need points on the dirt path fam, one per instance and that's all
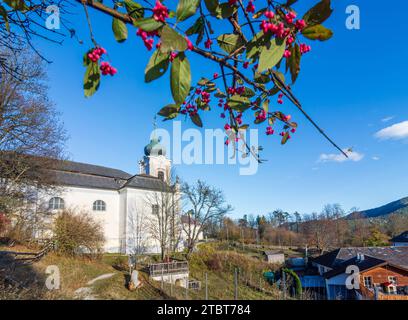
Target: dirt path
(85, 293)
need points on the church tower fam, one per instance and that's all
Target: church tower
(155, 163)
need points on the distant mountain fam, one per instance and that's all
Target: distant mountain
(399, 206)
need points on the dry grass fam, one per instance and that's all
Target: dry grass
(76, 272)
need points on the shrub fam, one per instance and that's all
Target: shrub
(77, 233)
(4, 223)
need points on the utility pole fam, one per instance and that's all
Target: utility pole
(236, 284)
(284, 285)
(206, 286)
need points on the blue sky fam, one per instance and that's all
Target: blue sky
(353, 85)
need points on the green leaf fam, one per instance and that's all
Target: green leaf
(16, 4)
(147, 24)
(294, 62)
(203, 81)
(248, 92)
(86, 60)
(3, 13)
(220, 94)
(134, 9)
(180, 78)
(285, 138)
(317, 32)
(196, 120)
(91, 79)
(271, 54)
(170, 111)
(253, 47)
(119, 30)
(225, 10)
(171, 40)
(212, 6)
(230, 42)
(196, 27)
(157, 66)
(239, 103)
(318, 14)
(186, 8)
(261, 78)
(290, 2)
(279, 75)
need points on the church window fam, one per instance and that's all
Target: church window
(56, 203)
(99, 205)
(160, 175)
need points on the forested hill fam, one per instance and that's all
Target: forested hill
(399, 206)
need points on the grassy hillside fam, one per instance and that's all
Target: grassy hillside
(211, 261)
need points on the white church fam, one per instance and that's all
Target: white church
(116, 198)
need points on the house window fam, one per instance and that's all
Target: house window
(160, 175)
(368, 282)
(393, 280)
(99, 205)
(56, 203)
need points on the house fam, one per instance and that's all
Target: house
(400, 240)
(381, 270)
(274, 257)
(120, 201)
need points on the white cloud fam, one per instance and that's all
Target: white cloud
(375, 158)
(396, 131)
(339, 157)
(386, 119)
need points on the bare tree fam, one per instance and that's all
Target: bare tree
(164, 221)
(138, 225)
(31, 134)
(206, 204)
(318, 230)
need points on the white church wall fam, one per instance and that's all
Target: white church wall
(82, 199)
(139, 202)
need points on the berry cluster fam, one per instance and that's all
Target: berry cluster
(269, 131)
(190, 109)
(190, 45)
(96, 54)
(160, 12)
(284, 29)
(208, 44)
(261, 115)
(106, 69)
(172, 56)
(304, 48)
(147, 37)
(250, 7)
(237, 90)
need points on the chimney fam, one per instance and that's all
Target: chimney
(360, 257)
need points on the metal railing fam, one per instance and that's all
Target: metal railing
(165, 268)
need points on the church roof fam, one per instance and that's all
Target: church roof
(155, 148)
(78, 167)
(76, 174)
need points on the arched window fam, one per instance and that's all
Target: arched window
(56, 203)
(160, 175)
(99, 205)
